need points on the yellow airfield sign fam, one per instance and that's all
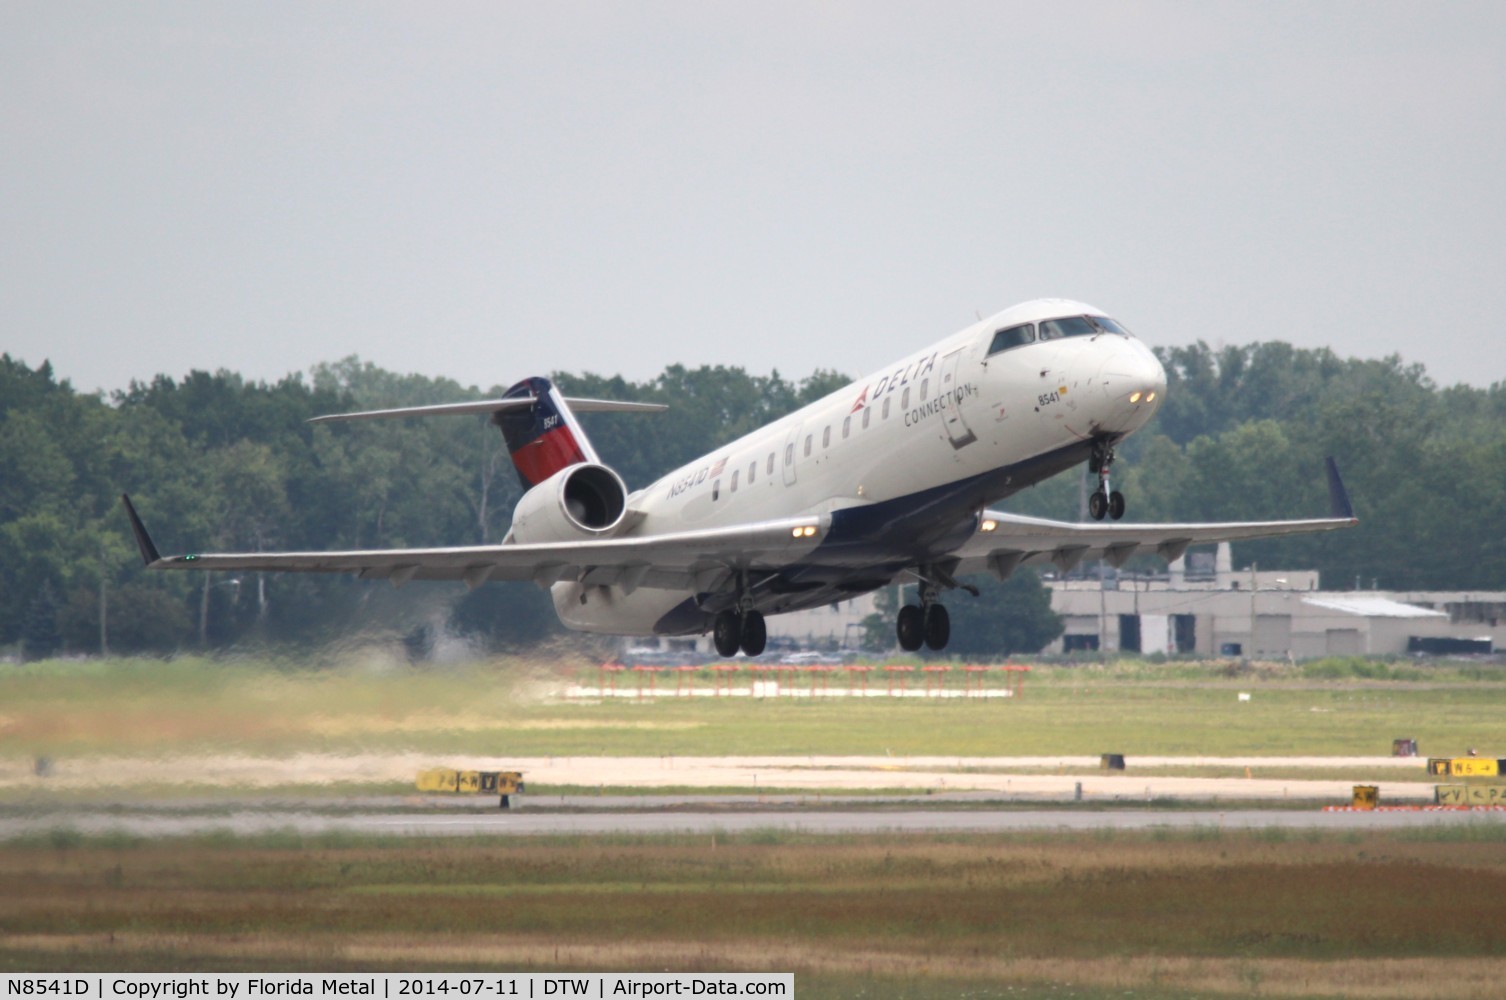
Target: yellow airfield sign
(1472, 795)
(1464, 767)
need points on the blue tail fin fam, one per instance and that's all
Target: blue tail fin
(544, 437)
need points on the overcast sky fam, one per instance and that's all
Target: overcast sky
(492, 190)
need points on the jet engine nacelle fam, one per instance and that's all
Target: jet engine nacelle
(578, 502)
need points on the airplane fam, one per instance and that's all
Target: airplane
(888, 479)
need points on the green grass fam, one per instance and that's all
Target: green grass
(512, 708)
(1170, 914)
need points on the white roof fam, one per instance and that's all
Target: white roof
(1369, 606)
(1038, 309)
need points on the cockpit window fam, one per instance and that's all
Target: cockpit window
(1053, 329)
(1014, 336)
(1109, 325)
(1068, 326)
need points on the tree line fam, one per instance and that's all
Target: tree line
(217, 462)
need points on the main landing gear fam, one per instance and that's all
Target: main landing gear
(1104, 501)
(927, 624)
(735, 630)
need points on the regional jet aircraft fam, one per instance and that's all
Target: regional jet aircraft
(889, 479)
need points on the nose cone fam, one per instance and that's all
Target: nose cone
(1133, 384)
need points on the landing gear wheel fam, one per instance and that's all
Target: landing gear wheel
(755, 633)
(1098, 505)
(727, 633)
(1104, 500)
(938, 626)
(911, 626)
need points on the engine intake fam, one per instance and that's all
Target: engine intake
(579, 501)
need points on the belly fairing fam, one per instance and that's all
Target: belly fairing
(611, 611)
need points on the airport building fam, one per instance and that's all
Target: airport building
(1202, 605)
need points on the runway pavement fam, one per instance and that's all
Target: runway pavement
(1014, 777)
(818, 795)
(705, 817)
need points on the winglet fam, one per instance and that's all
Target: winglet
(149, 552)
(1339, 506)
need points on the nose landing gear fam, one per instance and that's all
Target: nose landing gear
(1110, 504)
(1104, 501)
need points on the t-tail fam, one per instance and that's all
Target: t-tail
(537, 423)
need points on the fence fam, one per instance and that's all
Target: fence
(750, 679)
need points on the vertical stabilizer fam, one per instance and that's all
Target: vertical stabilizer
(544, 437)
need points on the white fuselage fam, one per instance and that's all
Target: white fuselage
(951, 413)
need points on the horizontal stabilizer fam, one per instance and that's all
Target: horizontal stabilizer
(493, 406)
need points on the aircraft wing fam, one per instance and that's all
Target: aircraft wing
(1015, 539)
(702, 560)
(683, 560)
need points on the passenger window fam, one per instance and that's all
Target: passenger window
(771, 462)
(808, 445)
(1012, 336)
(886, 409)
(826, 437)
(716, 489)
(846, 427)
(752, 471)
(925, 388)
(867, 412)
(734, 480)
(904, 400)
(789, 453)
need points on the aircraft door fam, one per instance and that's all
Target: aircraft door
(790, 456)
(957, 430)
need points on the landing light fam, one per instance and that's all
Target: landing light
(1135, 396)
(806, 531)
(1150, 398)
(988, 525)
